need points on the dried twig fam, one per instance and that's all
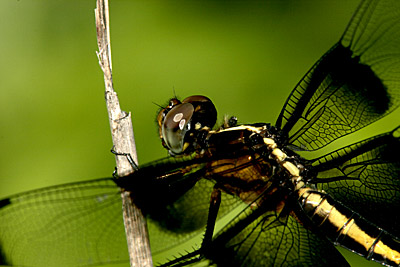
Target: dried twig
(123, 140)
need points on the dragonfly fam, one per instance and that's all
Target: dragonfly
(289, 208)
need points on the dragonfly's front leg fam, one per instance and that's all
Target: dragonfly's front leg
(212, 218)
(206, 245)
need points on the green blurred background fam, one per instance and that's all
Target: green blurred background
(245, 55)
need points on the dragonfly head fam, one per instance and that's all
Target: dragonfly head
(181, 122)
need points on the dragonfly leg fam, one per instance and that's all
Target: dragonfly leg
(198, 254)
(128, 157)
(212, 218)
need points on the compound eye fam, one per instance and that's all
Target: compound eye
(163, 112)
(176, 124)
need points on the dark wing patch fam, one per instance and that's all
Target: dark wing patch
(190, 213)
(354, 84)
(176, 200)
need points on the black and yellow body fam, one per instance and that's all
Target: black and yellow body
(254, 193)
(347, 228)
(245, 164)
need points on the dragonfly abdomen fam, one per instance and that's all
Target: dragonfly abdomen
(348, 229)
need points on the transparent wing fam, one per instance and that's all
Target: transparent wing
(366, 177)
(77, 224)
(354, 84)
(80, 224)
